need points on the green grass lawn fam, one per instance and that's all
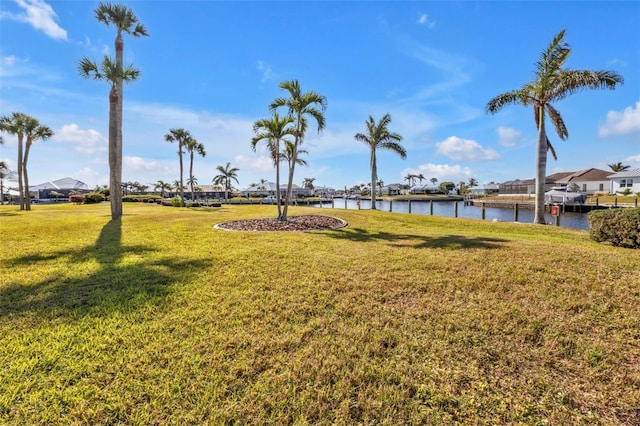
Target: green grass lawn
(395, 319)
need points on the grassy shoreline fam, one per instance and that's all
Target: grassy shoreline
(395, 319)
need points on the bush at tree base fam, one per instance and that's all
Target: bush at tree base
(94, 197)
(620, 227)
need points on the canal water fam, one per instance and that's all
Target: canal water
(447, 208)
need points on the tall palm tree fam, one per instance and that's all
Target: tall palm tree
(125, 21)
(183, 137)
(34, 131)
(15, 124)
(618, 167)
(115, 74)
(378, 137)
(274, 131)
(227, 174)
(193, 147)
(552, 83)
(472, 182)
(300, 106)
(420, 177)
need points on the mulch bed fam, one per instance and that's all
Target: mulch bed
(294, 223)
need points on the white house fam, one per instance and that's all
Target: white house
(626, 180)
(62, 187)
(587, 181)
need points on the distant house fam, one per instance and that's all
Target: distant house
(490, 188)
(587, 181)
(205, 192)
(626, 180)
(60, 188)
(391, 189)
(269, 189)
(424, 189)
(324, 191)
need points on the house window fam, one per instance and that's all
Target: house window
(584, 187)
(626, 183)
(601, 187)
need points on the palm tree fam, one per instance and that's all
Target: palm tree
(34, 131)
(274, 131)
(409, 178)
(115, 74)
(380, 184)
(182, 137)
(433, 180)
(472, 182)
(618, 167)
(163, 186)
(377, 137)
(16, 125)
(552, 83)
(5, 173)
(420, 177)
(227, 174)
(177, 185)
(300, 105)
(308, 183)
(193, 147)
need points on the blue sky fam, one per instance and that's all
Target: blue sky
(213, 67)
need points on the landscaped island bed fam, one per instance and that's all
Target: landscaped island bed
(395, 319)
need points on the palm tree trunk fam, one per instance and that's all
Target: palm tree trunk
(191, 174)
(278, 181)
(541, 170)
(374, 179)
(116, 197)
(115, 185)
(181, 171)
(27, 195)
(20, 177)
(287, 199)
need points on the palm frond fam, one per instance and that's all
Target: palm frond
(557, 121)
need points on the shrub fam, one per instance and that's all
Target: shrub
(76, 198)
(177, 202)
(620, 227)
(94, 197)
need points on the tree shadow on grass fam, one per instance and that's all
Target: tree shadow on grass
(123, 280)
(417, 241)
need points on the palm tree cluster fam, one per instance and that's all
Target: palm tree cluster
(226, 175)
(24, 126)
(279, 131)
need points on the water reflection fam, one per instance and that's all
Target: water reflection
(448, 208)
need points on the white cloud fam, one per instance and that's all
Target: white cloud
(267, 71)
(442, 172)
(261, 164)
(84, 141)
(424, 20)
(621, 123)
(136, 164)
(459, 149)
(41, 17)
(634, 159)
(507, 136)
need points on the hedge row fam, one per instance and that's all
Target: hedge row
(620, 227)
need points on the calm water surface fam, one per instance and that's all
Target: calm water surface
(447, 208)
